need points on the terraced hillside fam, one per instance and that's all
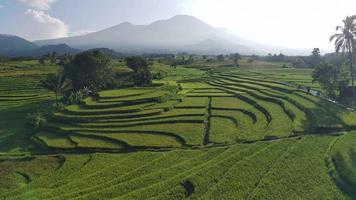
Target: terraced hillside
(227, 108)
(20, 94)
(230, 134)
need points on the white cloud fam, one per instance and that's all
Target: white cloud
(38, 4)
(39, 25)
(1, 6)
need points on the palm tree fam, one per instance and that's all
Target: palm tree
(56, 83)
(345, 42)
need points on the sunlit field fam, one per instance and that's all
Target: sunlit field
(204, 131)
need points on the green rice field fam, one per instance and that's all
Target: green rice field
(221, 133)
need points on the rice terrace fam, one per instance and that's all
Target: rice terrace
(100, 123)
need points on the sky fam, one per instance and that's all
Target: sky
(288, 23)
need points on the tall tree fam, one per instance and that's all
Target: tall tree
(89, 69)
(220, 58)
(345, 42)
(53, 57)
(331, 78)
(236, 57)
(56, 83)
(315, 57)
(142, 74)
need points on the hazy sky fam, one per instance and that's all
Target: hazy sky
(290, 23)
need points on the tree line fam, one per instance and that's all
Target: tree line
(89, 72)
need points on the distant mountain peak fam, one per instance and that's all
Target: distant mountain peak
(180, 33)
(124, 24)
(184, 17)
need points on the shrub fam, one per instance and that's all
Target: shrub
(76, 97)
(298, 63)
(37, 119)
(57, 107)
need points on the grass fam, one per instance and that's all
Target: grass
(230, 133)
(53, 140)
(223, 129)
(342, 159)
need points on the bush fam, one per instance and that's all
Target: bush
(37, 119)
(57, 107)
(76, 97)
(284, 66)
(298, 63)
(158, 76)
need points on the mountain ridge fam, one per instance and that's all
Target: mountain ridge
(176, 34)
(14, 46)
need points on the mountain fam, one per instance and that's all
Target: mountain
(60, 50)
(109, 53)
(14, 46)
(177, 34)
(10, 45)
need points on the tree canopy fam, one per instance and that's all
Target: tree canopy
(142, 74)
(56, 83)
(89, 69)
(332, 79)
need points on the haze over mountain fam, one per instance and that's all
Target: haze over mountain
(181, 33)
(14, 46)
(10, 44)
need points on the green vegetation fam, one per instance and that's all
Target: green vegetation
(205, 130)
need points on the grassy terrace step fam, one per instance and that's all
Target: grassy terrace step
(192, 133)
(193, 102)
(172, 120)
(53, 138)
(83, 110)
(236, 160)
(167, 105)
(196, 85)
(207, 90)
(251, 127)
(83, 118)
(100, 169)
(92, 103)
(258, 95)
(304, 176)
(224, 129)
(151, 188)
(343, 161)
(246, 129)
(246, 100)
(261, 92)
(119, 139)
(96, 143)
(261, 162)
(139, 178)
(23, 98)
(296, 108)
(151, 96)
(124, 93)
(179, 113)
(56, 141)
(275, 85)
(280, 125)
(215, 168)
(193, 94)
(18, 96)
(148, 140)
